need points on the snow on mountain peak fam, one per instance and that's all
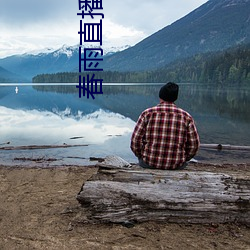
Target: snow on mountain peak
(65, 49)
(69, 50)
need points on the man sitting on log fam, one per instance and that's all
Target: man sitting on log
(165, 136)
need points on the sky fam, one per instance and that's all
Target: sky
(33, 25)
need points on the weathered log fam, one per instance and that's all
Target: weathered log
(224, 147)
(120, 195)
(29, 147)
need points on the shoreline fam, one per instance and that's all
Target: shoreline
(51, 157)
(194, 166)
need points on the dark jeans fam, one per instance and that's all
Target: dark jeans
(145, 165)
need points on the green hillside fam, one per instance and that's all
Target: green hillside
(216, 25)
(231, 66)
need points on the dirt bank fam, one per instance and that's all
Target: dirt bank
(38, 210)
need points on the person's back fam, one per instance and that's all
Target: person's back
(165, 136)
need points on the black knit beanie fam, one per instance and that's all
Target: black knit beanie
(169, 92)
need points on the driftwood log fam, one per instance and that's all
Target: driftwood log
(224, 147)
(120, 195)
(30, 147)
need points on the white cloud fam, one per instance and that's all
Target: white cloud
(34, 24)
(121, 35)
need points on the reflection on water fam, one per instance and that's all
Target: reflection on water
(101, 131)
(33, 127)
(54, 114)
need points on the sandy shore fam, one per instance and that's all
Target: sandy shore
(38, 210)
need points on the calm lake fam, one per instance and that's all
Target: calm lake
(55, 115)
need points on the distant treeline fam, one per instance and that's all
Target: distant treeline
(231, 66)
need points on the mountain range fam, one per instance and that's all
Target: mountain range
(214, 26)
(64, 59)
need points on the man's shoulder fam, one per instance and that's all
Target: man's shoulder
(172, 108)
(150, 110)
(178, 109)
(184, 113)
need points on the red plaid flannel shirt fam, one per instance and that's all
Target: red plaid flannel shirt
(165, 136)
